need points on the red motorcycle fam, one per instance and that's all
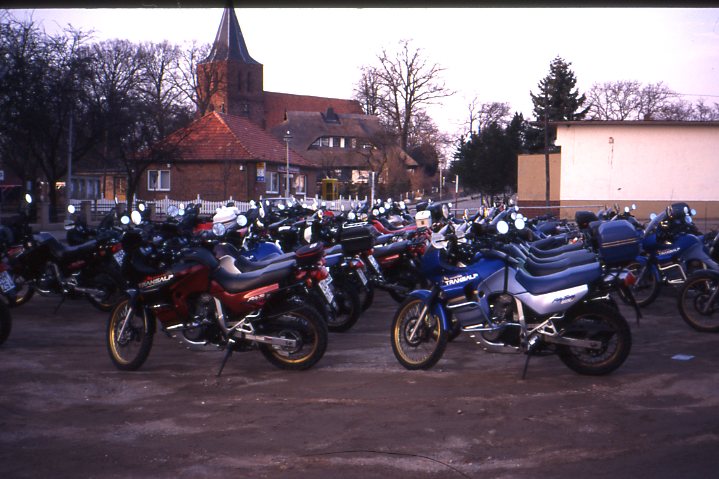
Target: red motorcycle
(209, 303)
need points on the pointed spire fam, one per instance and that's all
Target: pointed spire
(229, 42)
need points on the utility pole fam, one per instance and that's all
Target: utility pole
(287, 138)
(546, 148)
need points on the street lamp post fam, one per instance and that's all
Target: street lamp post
(287, 139)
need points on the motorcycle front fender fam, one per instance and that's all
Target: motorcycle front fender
(436, 308)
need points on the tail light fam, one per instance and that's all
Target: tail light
(116, 247)
(356, 263)
(319, 274)
(628, 278)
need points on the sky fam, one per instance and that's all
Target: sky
(491, 54)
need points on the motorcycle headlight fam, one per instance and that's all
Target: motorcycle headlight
(218, 229)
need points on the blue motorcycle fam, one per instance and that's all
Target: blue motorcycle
(488, 294)
(673, 249)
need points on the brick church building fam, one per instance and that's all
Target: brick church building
(239, 145)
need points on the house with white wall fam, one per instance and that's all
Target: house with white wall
(648, 163)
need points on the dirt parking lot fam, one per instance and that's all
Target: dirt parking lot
(65, 411)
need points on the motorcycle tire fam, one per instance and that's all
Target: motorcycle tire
(597, 322)
(646, 289)
(302, 324)
(427, 346)
(24, 292)
(112, 284)
(5, 322)
(694, 303)
(129, 348)
(348, 305)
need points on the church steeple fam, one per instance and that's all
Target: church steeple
(229, 42)
(229, 78)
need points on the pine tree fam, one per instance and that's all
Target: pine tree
(558, 98)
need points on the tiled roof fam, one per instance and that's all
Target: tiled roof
(278, 104)
(218, 136)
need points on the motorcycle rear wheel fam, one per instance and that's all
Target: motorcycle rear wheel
(646, 288)
(24, 292)
(694, 304)
(348, 303)
(114, 290)
(5, 322)
(303, 325)
(596, 322)
(129, 348)
(429, 342)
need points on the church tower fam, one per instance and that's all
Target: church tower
(229, 79)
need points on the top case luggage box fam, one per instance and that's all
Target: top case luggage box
(356, 238)
(617, 242)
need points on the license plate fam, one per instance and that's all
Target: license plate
(362, 277)
(120, 256)
(325, 288)
(6, 282)
(374, 263)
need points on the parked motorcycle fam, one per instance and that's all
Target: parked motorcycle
(491, 296)
(209, 303)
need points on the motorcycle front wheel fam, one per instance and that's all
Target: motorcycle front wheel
(129, 336)
(5, 322)
(596, 322)
(303, 325)
(417, 346)
(699, 303)
(646, 288)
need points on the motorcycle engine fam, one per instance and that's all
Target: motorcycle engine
(202, 327)
(502, 313)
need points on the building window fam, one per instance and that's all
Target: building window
(273, 185)
(325, 141)
(300, 181)
(158, 180)
(335, 142)
(353, 143)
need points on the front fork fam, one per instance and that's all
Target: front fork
(131, 305)
(425, 310)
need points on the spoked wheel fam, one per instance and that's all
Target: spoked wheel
(646, 287)
(699, 303)
(306, 328)
(129, 336)
(112, 290)
(348, 305)
(601, 323)
(24, 291)
(417, 342)
(5, 322)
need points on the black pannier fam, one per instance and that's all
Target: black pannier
(583, 218)
(355, 239)
(617, 242)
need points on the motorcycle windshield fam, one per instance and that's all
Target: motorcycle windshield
(653, 223)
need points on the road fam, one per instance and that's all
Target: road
(65, 411)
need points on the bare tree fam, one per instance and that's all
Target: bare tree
(655, 98)
(197, 80)
(704, 112)
(614, 100)
(406, 83)
(367, 91)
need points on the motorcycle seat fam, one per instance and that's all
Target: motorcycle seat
(555, 251)
(236, 283)
(391, 248)
(65, 253)
(542, 269)
(244, 264)
(333, 250)
(333, 259)
(381, 239)
(569, 278)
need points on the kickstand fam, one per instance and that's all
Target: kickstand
(526, 364)
(228, 353)
(62, 300)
